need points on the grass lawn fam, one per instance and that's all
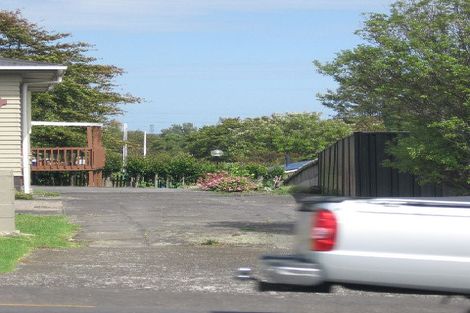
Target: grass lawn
(37, 232)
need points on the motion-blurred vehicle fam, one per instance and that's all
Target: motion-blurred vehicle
(404, 243)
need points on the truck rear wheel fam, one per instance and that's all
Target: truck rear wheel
(322, 288)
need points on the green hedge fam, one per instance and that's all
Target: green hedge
(182, 169)
(166, 170)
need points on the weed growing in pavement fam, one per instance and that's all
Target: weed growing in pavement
(210, 242)
(247, 228)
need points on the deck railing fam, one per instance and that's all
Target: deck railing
(62, 159)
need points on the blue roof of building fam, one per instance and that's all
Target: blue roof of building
(295, 166)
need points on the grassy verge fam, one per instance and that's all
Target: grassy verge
(23, 196)
(38, 232)
(284, 190)
(36, 194)
(45, 194)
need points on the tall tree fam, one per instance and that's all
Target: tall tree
(267, 139)
(87, 92)
(305, 134)
(413, 73)
(221, 136)
(174, 139)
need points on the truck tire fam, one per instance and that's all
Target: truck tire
(263, 286)
(322, 288)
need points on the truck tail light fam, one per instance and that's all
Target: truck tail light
(324, 228)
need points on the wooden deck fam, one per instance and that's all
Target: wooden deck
(73, 159)
(62, 159)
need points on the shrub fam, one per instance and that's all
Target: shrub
(257, 170)
(273, 172)
(137, 166)
(186, 167)
(235, 169)
(158, 165)
(113, 163)
(174, 170)
(180, 169)
(208, 167)
(253, 170)
(274, 177)
(222, 181)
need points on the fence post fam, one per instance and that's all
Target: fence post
(7, 197)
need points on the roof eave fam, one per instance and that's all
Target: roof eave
(34, 68)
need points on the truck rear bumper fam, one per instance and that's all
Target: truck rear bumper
(288, 270)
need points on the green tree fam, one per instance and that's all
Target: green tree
(222, 136)
(112, 141)
(112, 136)
(174, 139)
(413, 73)
(305, 134)
(255, 143)
(87, 92)
(267, 139)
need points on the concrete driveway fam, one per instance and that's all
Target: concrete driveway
(176, 250)
(173, 240)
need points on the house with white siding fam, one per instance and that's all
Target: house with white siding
(19, 79)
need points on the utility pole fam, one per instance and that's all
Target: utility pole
(145, 143)
(124, 138)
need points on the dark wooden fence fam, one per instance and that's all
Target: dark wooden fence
(353, 166)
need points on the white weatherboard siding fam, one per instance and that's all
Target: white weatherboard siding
(10, 125)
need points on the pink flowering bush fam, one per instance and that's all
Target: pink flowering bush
(222, 181)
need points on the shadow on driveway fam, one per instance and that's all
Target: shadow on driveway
(259, 227)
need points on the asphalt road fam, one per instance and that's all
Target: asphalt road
(176, 251)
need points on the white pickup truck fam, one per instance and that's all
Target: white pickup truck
(404, 243)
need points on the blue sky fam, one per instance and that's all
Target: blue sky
(198, 60)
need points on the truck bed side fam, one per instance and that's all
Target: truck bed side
(403, 243)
